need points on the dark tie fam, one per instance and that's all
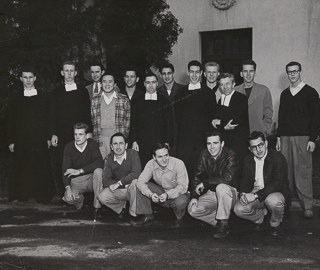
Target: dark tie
(96, 90)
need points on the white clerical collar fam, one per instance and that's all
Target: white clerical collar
(84, 147)
(70, 87)
(30, 93)
(296, 90)
(225, 99)
(108, 100)
(152, 96)
(194, 86)
(121, 159)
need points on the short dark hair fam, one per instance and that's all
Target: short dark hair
(194, 63)
(249, 62)
(158, 146)
(81, 126)
(28, 69)
(130, 68)
(225, 75)
(167, 65)
(69, 62)
(118, 134)
(108, 73)
(256, 135)
(97, 64)
(150, 74)
(293, 63)
(214, 133)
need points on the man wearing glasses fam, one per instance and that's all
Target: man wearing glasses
(264, 185)
(298, 125)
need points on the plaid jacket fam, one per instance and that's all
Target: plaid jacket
(123, 112)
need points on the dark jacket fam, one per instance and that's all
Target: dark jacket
(212, 172)
(275, 174)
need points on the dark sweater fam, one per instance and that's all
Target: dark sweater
(129, 169)
(89, 160)
(299, 114)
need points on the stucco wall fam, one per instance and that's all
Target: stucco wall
(283, 31)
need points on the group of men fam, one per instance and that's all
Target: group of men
(170, 132)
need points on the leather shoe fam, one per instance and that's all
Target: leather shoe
(178, 223)
(143, 222)
(122, 214)
(275, 231)
(222, 232)
(308, 213)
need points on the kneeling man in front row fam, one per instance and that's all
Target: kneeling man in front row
(214, 187)
(82, 167)
(121, 166)
(264, 186)
(168, 188)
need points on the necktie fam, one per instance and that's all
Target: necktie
(96, 90)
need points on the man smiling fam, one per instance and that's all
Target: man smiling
(214, 190)
(169, 187)
(110, 113)
(121, 166)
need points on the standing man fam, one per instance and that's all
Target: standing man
(151, 120)
(96, 71)
(211, 73)
(214, 191)
(259, 99)
(29, 140)
(131, 91)
(110, 112)
(70, 104)
(194, 110)
(297, 131)
(264, 186)
(168, 188)
(82, 168)
(121, 166)
(169, 90)
(231, 118)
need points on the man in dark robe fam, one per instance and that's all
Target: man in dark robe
(69, 105)
(151, 120)
(29, 140)
(194, 110)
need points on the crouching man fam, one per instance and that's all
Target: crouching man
(121, 166)
(264, 186)
(168, 188)
(82, 168)
(214, 191)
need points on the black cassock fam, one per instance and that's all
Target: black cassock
(151, 122)
(28, 120)
(194, 110)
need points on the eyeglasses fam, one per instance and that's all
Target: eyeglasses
(255, 147)
(293, 72)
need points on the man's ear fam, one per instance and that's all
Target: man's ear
(222, 143)
(62, 73)
(154, 158)
(137, 79)
(241, 74)
(266, 143)
(102, 72)
(126, 146)
(75, 73)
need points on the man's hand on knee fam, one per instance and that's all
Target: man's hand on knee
(69, 195)
(191, 204)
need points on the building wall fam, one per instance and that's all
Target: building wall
(283, 31)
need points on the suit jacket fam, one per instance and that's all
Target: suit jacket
(162, 90)
(275, 174)
(260, 108)
(123, 114)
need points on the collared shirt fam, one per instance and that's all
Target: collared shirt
(108, 100)
(120, 159)
(81, 149)
(98, 85)
(70, 87)
(152, 96)
(259, 182)
(225, 99)
(30, 93)
(173, 178)
(296, 90)
(194, 86)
